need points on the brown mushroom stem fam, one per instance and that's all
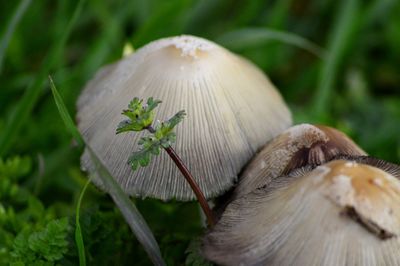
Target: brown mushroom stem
(192, 182)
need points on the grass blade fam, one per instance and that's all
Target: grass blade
(62, 109)
(337, 45)
(131, 214)
(78, 232)
(129, 211)
(5, 40)
(32, 92)
(251, 37)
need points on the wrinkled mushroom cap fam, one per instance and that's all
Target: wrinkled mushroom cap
(297, 146)
(341, 213)
(232, 110)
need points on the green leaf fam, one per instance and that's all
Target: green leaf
(168, 139)
(21, 251)
(152, 104)
(127, 125)
(135, 104)
(15, 167)
(62, 109)
(51, 243)
(176, 119)
(78, 231)
(150, 146)
(163, 131)
(43, 247)
(140, 116)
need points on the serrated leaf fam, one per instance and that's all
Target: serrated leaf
(155, 150)
(15, 167)
(152, 104)
(145, 159)
(168, 139)
(150, 146)
(164, 130)
(127, 125)
(140, 116)
(176, 119)
(51, 243)
(43, 247)
(134, 165)
(21, 250)
(135, 104)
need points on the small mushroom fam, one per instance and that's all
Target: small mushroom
(298, 146)
(345, 212)
(232, 110)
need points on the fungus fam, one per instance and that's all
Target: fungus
(298, 146)
(232, 110)
(345, 212)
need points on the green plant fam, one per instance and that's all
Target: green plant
(140, 117)
(43, 247)
(29, 232)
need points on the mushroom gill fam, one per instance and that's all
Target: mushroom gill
(224, 95)
(344, 212)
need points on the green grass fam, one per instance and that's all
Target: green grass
(335, 62)
(5, 39)
(342, 33)
(80, 245)
(24, 107)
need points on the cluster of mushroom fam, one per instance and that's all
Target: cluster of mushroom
(309, 196)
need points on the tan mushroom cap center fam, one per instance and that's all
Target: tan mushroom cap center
(371, 194)
(188, 52)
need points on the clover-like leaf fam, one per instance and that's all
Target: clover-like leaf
(163, 129)
(167, 140)
(139, 116)
(127, 125)
(150, 146)
(135, 104)
(176, 119)
(152, 104)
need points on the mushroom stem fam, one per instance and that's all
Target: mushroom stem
(192, 182)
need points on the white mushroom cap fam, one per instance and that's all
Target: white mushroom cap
(340, 213)
(297, 146)
(232, 110)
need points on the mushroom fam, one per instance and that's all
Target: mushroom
(232, 110)
(345, 212)
(297, 146)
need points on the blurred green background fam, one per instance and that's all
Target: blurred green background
(335, 63)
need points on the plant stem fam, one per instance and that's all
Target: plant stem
(192, 182)
(195, 187)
